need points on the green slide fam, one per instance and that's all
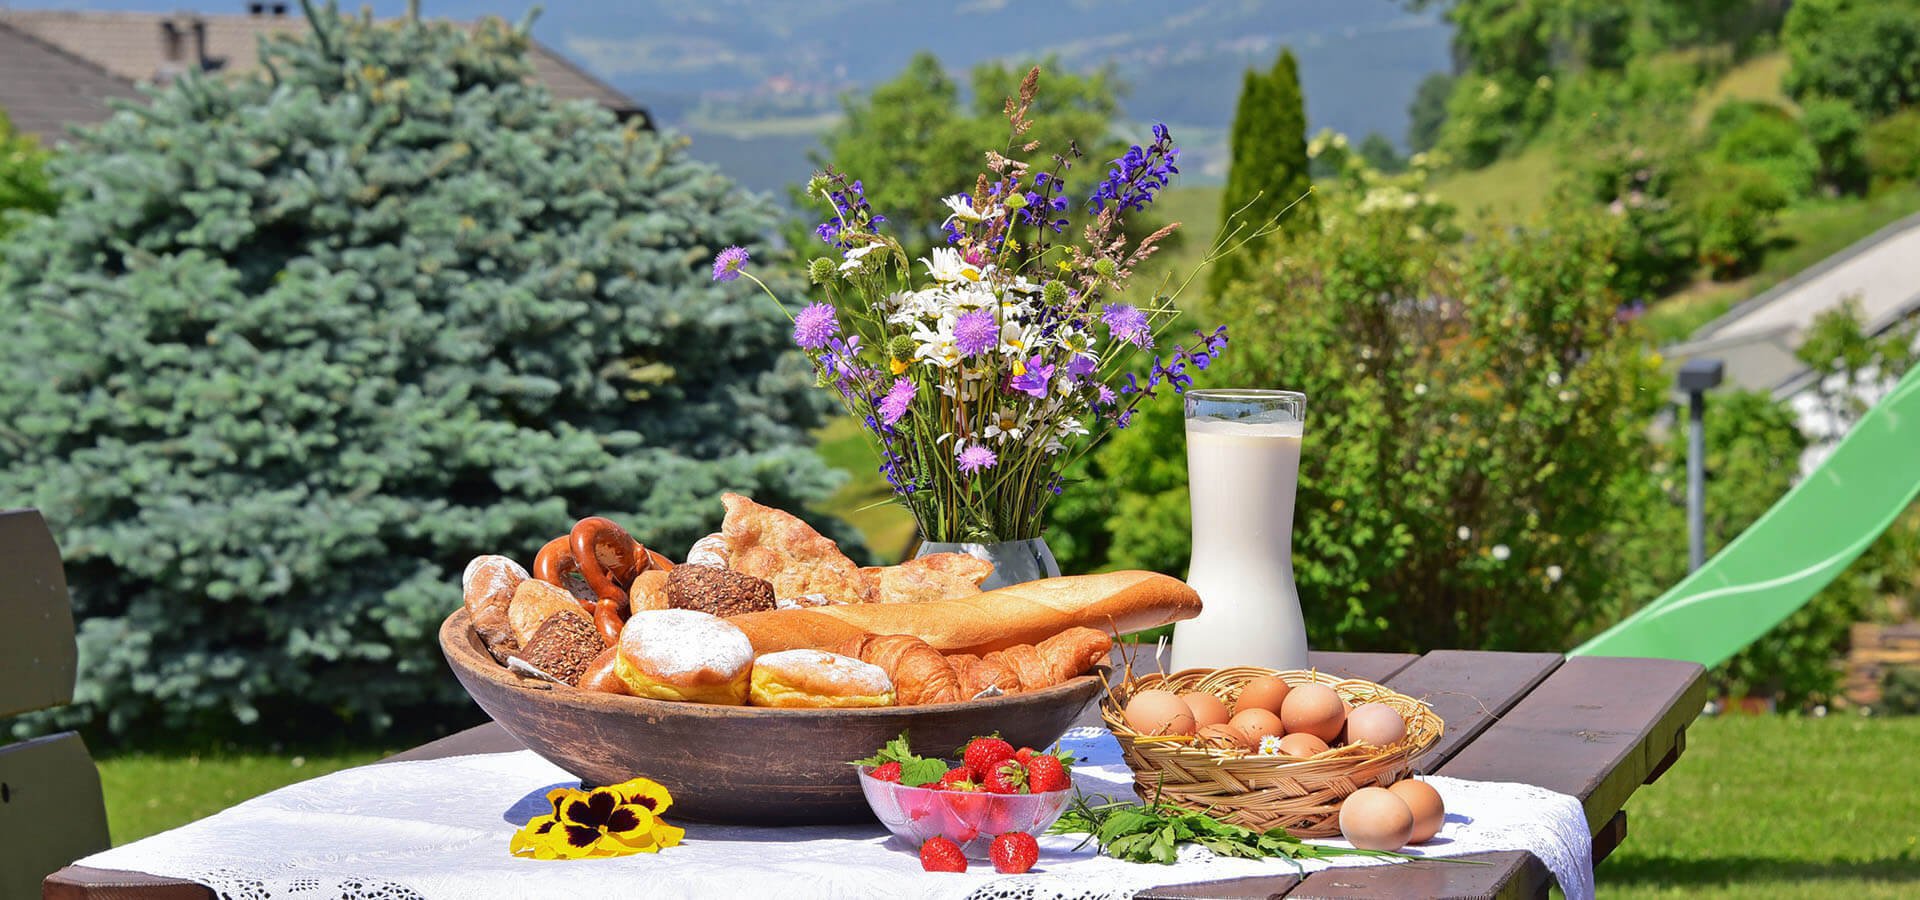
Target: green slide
(1802, 543)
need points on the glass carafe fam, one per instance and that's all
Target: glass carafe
(1243, 463)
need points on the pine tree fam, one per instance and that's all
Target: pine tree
(1269, 170)
(298, 346)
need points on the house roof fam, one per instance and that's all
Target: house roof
(136, 47)
(43, 88)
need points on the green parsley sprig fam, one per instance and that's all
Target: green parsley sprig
(1153, 832)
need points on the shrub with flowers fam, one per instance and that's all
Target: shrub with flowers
(982, 373)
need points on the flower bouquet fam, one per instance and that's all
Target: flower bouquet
(1009, 352)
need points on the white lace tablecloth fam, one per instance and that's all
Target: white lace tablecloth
(439, 829)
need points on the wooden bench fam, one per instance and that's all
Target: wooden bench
(51, 810)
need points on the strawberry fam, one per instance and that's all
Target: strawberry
(1009, 777)
(1023, 754)
(966, 813)
(941, 855)
(960, 779)
(1013, 853)
(985, 753)
(1046, 773)
(886, 772)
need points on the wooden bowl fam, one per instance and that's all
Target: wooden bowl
(741, 764)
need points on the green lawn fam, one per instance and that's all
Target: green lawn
(148, 793)
(1763, 806)
(1778, 806)
(1758, 78)
(1514, 189)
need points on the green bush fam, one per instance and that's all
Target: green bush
(1636, 180)
(1489, 117)
(298, 346)
(1836, 128)
(23, 177)
(1891, 148)
(1866, 52)
(1768, 139)
(1471, 408)
(1733, 207)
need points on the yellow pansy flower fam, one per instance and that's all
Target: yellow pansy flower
(609, 821)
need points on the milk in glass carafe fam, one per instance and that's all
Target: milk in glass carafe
(1243, 463)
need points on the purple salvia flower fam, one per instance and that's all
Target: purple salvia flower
(975, 457)
(975, 332)
(815, 326)
(899, 399)
(1034, 382)
(727, 263)
(1126, 323)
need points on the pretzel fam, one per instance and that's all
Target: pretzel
(608, 560)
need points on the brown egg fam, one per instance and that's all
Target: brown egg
(1159, 712)
(1256, 724)
(1223, 737)
(1375, 723)
(1266, 692)
(1428, 812)
(1207, 709)
(1374, 818)
(1302, 745)
(1314, 709)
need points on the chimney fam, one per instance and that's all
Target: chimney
(200, 44)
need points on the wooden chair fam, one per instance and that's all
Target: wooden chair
(51, 809)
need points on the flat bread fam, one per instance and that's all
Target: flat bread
(778, 547)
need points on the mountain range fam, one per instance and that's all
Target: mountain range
(753, 83)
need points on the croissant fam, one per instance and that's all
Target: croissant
(1029, 667)
(920, 674)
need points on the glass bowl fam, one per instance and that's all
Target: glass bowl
(971, 819)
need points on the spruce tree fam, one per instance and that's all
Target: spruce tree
(1269, 168)
(299, 346)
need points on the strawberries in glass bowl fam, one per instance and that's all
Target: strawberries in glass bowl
(971, 819)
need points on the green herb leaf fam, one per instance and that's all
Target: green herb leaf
(916, 772)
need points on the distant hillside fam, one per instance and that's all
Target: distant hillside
(750, 82)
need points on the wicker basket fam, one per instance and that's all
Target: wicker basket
(1264, 792)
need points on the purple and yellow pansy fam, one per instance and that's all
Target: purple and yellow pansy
(602, 822)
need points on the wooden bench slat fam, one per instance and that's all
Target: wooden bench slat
(1470, 690)
(51, 811)
(37, 653)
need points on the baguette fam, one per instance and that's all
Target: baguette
(1114, 602)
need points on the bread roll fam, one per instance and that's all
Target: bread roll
(649, 591)
(1115, 602)
(486, 588)
(600, 673)
(534, 602)
(818, 679)
(681, 654)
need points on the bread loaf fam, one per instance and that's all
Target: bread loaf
(534, 602)
(1114, 602)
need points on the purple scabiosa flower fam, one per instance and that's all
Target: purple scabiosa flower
(1104, 394)
(1034, 382)
(974, 457)
(727, 263)
(976, 332)
(1126, 323)
(815, 326)
(899, 398)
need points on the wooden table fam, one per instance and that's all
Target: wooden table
(1593, 727)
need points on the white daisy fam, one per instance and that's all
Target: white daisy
(855, 255)
(948, 266)
(1005, 426)
(964, 211)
